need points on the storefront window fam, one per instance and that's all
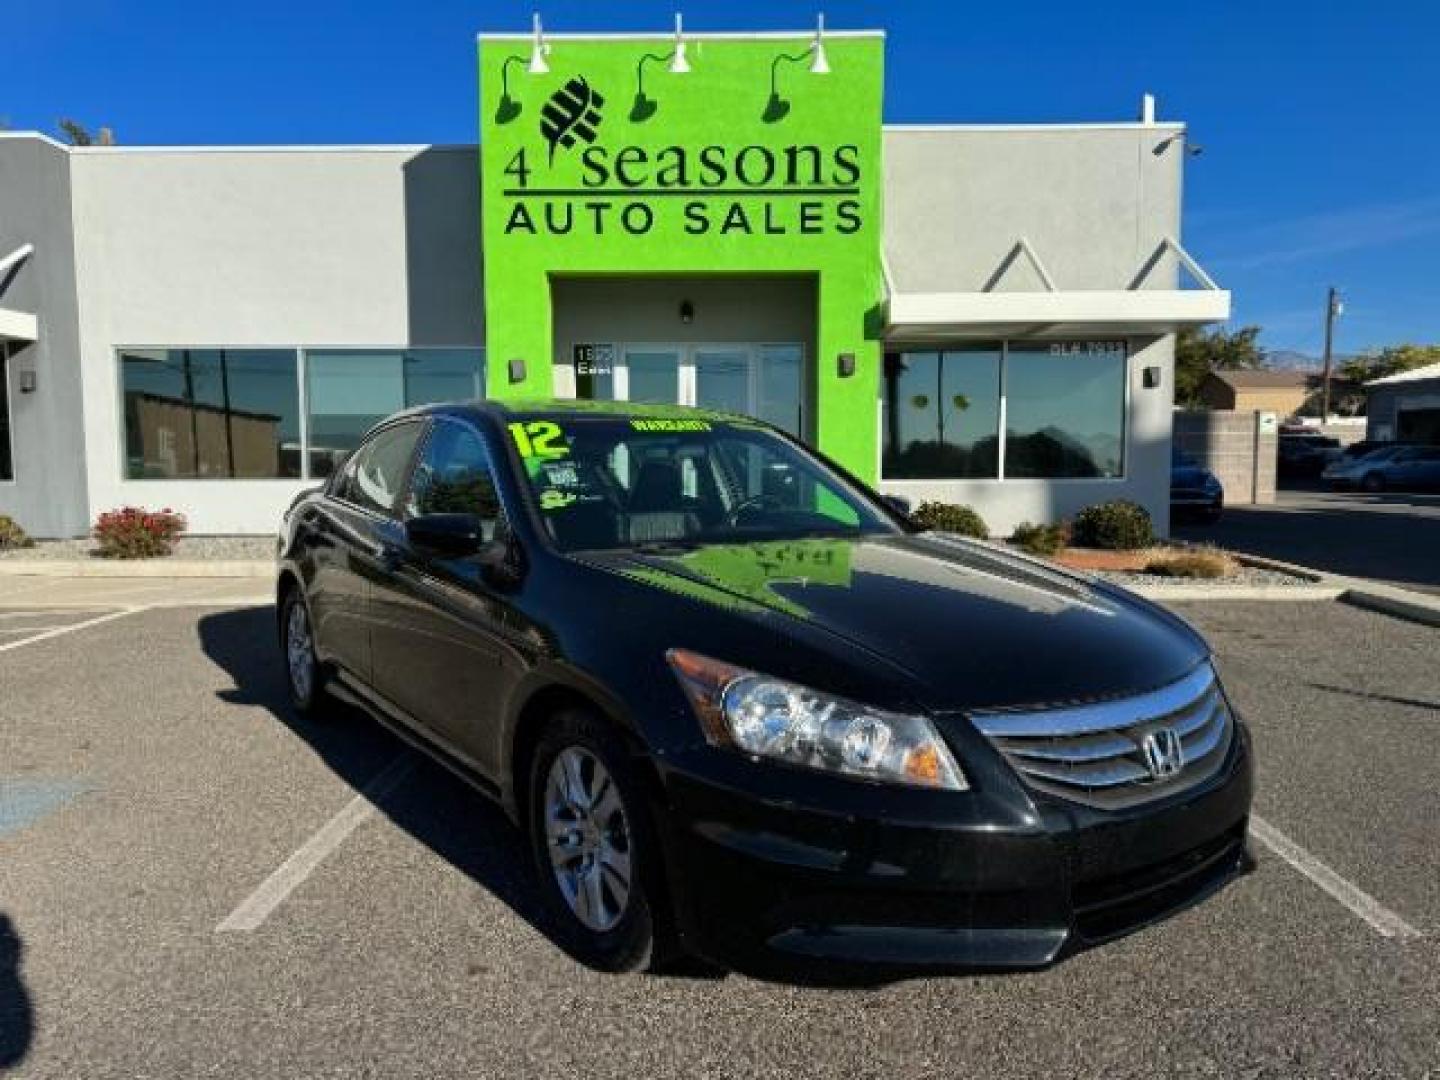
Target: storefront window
(941, 416)
(7, 461)
(349, 391)
(201, 414)
(1065, 409)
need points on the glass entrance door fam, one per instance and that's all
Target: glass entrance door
(651, 373)
(758, 380)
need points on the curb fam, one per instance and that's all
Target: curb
(139, 568)
(1291, 593)
(1397, 602)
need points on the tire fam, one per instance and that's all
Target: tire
(601, 887)
(305, 677)
(1373, 482)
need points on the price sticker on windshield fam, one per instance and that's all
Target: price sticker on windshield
(539, 439)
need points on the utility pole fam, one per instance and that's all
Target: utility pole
(1333, 308)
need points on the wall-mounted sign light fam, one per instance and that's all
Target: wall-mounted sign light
(845, 365)
(679, 63)
(27, 381)
(777, 108)
(539, 50)
(646, 107)
(819, 62)
(1151, 378)
(687, 312)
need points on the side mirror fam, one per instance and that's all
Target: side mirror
(898, 503)
(452, 536)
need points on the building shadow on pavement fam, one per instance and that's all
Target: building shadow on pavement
(17, 1017)
(438, 809)
(1389, 537)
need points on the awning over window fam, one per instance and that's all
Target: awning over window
(16, 325)
(1053, 311)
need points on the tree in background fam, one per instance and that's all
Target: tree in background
(79, 135)
(1391, 360)
(1199, 352)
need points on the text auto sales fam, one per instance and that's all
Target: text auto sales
(806, 191)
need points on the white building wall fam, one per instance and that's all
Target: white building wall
(373, 247)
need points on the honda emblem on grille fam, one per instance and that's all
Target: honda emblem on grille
(1163, 753)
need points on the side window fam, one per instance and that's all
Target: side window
(373, 478)
(453, 477)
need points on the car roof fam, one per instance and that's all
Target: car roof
(569, 407)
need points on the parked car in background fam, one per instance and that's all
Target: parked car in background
(1369, 446)
(1195, 491)
(1350, 468)
(1305, 455)
(741, 706)
(1409, 468)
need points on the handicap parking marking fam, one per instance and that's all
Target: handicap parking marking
(25, 800)
(289, 875)
(1381, 919)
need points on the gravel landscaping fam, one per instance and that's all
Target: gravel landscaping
(1247, 577)
(190, 549)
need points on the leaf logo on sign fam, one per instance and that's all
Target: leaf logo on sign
(573, 112)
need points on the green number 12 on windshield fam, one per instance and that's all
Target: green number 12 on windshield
(537, 438)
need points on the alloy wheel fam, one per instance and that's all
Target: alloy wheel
(588, 838)
(299, 651)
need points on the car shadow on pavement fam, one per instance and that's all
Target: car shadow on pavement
(1395, 539)
(17, 1019)
(452, 819)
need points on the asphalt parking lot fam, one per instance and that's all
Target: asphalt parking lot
(190, 886)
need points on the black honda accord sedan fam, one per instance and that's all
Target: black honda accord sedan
(743, 707)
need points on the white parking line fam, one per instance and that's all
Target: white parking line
(57, 631)
(256, 908)
(1381, 919)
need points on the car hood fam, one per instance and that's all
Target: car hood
(972, 626)
(1188, 477)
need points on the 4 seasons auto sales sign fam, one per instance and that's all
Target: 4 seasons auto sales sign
(612, 164)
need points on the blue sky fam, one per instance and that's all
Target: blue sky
(1319, 120)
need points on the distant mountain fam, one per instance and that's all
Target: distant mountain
(1290, 360)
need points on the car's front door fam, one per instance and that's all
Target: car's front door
(439, 626)
(345, 545)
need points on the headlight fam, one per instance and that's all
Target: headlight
(782, 721)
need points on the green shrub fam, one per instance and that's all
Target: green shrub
(948, 517)
(1041, 539)
(132, 533)
(12, 535)
(1118, 525)
(1196, 563)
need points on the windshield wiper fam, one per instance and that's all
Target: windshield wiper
(664, 547)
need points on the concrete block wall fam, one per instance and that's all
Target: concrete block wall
(1236, 447)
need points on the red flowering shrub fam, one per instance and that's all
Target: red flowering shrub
(133, 533)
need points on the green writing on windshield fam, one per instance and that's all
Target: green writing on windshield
(670, 425)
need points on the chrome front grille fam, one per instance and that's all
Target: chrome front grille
(1112, 753)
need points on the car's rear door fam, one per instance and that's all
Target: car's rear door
(345, 542)
(439, 632)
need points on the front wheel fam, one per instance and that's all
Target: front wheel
(594, 850)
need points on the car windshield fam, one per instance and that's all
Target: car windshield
(606, 482)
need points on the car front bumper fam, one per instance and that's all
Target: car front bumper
(760, 870)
